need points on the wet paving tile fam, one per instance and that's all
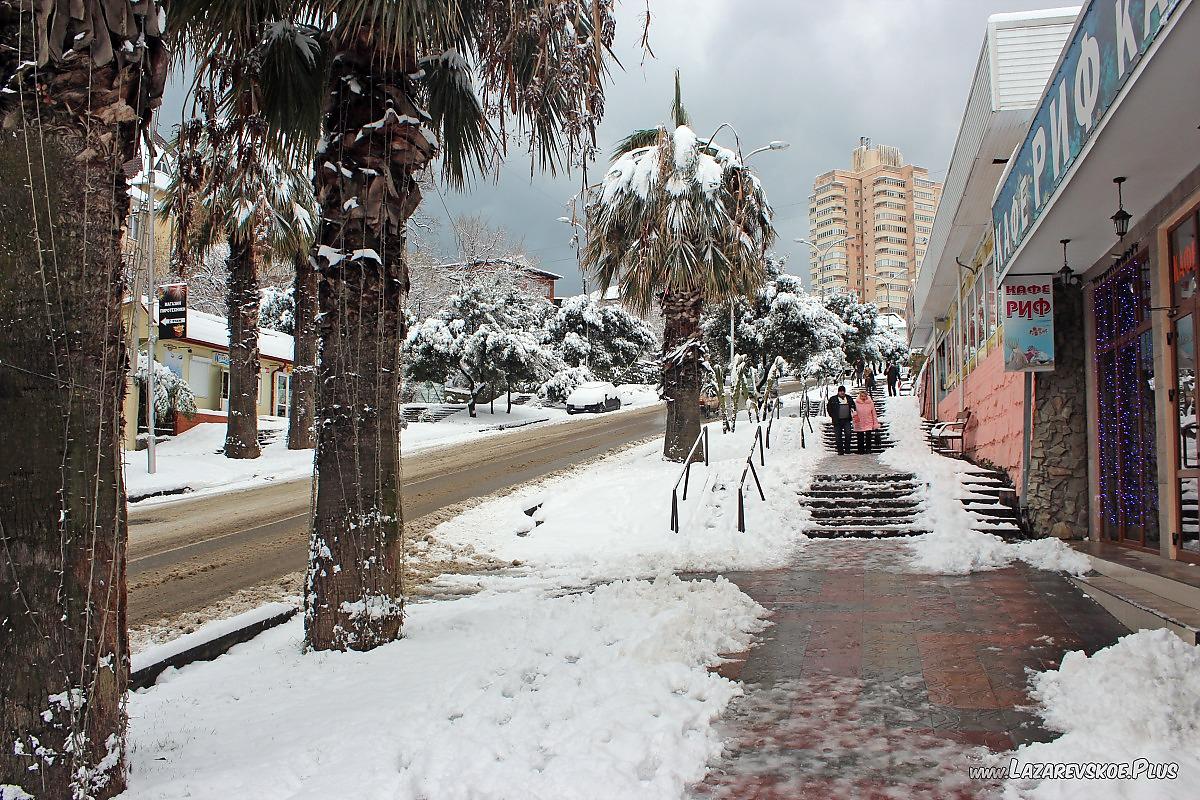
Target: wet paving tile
(879, 682)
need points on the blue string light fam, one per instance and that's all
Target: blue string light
(1128, 479)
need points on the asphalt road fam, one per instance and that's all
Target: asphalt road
(187, 554)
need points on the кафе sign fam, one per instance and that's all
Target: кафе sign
(1109, 40)
(1027, 306)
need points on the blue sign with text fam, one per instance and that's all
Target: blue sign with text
(1109, 40)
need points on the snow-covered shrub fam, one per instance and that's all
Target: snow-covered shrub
(171, 392)
(565, 381)
(277, 309)
(606, 339)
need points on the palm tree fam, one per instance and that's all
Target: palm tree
(79, 82)
(678, 220)
(398, 85)
(238, 184)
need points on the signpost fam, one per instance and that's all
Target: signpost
(1027, 302)
(172, 311)
(1111, 37)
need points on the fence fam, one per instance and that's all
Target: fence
(685, 475)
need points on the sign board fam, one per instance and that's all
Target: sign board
(172, 311)
(1027, 306)
(1110, 39)
(221, 359)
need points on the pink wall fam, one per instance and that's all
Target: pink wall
(995, 399)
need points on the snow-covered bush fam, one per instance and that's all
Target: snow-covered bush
(171, 392)
(277, 309)
(565, 381)
(782, 320)
(488, 337)
(606, 339)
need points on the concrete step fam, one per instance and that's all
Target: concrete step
(881, 532)
(1136, 608)
(889, 478)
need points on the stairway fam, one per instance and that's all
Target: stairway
(883, 439)
(872, 505)
(992, 503)
(419, 412)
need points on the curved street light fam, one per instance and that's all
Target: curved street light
(823, 251)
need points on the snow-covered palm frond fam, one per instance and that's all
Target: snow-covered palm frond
(232, 186)
(681, 214)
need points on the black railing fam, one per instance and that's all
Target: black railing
(685, 475)
(749, 469)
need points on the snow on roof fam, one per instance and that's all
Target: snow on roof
(214, 330)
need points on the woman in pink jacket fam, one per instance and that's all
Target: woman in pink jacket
(866, 422)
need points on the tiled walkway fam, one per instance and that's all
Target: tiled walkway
(877, 682)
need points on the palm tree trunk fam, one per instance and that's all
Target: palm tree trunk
(241, 427)
(354, 597)
(682, 372)
(63, 369)
(301, 434)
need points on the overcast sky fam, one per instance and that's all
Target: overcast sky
(816, 73)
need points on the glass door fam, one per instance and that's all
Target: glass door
(1126, 424)
(1182, 241)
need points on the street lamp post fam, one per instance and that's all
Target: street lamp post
(774, 144)
(822, 252)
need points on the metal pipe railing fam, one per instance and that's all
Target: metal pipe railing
(749, 468)
(685, 475)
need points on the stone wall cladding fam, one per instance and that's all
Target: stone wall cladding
(1058, 488)
(995, 399)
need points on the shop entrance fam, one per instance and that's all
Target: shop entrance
(1128, 463)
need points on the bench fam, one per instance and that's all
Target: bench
(945, 434)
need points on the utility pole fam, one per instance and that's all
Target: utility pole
(151, 323)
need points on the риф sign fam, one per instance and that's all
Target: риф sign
(1109, 40)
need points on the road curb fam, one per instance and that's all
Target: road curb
(145, 677)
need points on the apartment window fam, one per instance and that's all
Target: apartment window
(923, 195)
(921, 229)
(888, 181)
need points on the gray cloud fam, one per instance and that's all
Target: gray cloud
(817, 73)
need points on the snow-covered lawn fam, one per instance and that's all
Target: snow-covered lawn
(1140, 697)
(613, 519)
(192, 462)
(953, 547)
(580, 674)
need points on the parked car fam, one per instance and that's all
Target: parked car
(595, 396)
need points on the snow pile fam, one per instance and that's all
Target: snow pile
(613, 520)
(953, 547)
(207, 633)
(1138, 699)
(502, 694)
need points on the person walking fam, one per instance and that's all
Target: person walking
(869, 379)
(893, 378)
(866, 421)
(841, 413)
(858, 371)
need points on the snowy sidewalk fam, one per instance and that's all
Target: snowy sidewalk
(879, 682)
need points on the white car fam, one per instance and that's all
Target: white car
(596, 396)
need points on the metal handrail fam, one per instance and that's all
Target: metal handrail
(749, 468)
(774, 412)
(685, 475)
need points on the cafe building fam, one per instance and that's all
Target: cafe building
(200, 356)
(1062, 320)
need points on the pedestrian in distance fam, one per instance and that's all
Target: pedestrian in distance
(841, 413)
(858, 371)
(893, 378)
(866, 422)
(868, 379)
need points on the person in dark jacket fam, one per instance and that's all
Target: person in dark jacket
(893, 378)
(841, 413)
(868, 379)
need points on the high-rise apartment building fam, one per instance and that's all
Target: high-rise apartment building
(870, 225)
